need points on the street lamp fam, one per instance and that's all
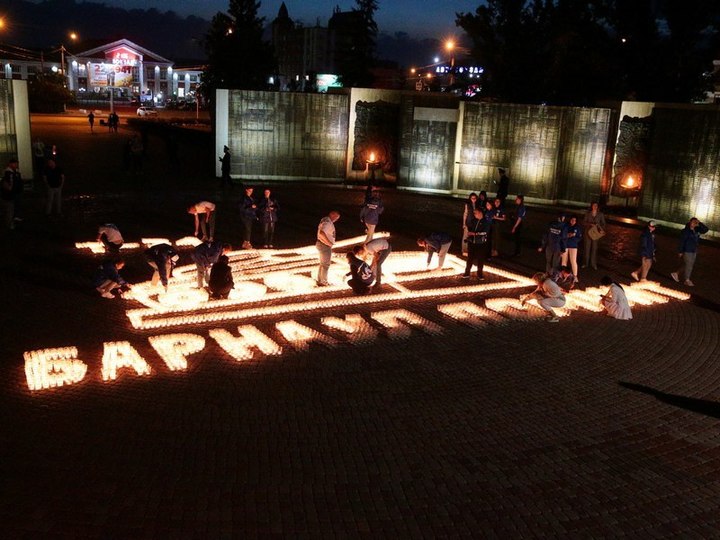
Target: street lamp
(450, 47)
(73, 37)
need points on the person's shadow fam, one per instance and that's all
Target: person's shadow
(700, 406)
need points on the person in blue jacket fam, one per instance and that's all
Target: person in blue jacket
(248, 216)
(162, 259)
(371, 210)
(108, 278)
(687, 251)
(553, 243)
(647, 252)
(204, 256)
(573, 235)
(438, 242)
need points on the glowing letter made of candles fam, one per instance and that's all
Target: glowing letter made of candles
(357, 329)
(398, 322)
(48, 368)
(470, 314)
(120, 354)
(242, 347)
(301, 336)
(175, 348)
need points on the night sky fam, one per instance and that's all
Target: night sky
(419, 18)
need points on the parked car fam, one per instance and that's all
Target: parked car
(146, 111)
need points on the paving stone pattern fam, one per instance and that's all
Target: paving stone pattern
(588, 428)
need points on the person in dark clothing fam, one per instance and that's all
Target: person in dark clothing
(108, 278)
(647, 253)
(91, 121)
(553, 243)
(439, 243)
(267, 208)
(689, 242)
(8, 193)
(478, 243)
(205, 255)
(54, 180)
(162, 259)
(520, 213)
(221, 279)
(225, 160)
(248, 216)
(503, 186)
(361, 274)
(371, 210)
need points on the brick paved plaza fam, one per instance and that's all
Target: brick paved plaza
(501, 426)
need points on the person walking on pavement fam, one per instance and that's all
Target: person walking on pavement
(248, 216)
(324, 244)
(647, 252)
(437, 242)
(548, 294)
(225, 162)
(379, 249)
(594, 227)
(204, 214)
(573, 235)
(268, 208)
(516, 231)
(687, 250)
(91, 121)
(54, 178)
(371, 210)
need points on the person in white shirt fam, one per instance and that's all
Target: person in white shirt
(110, 237)
(548, 295)
(324, 244)
(614, 301)
(204, 213)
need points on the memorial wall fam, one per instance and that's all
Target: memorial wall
(681, 180)
(436, 143)
(15, 125)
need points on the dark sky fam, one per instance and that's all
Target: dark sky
(420, 18)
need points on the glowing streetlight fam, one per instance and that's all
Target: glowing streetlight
(2, 23)
(450, 48)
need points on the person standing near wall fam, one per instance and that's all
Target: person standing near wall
(478, 243)
(225, 161)
(647, 252)
(503, 186)
(499, 218)
(516, 231)
(687, 251)
(594, 226)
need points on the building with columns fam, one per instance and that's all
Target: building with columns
(128, 68)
